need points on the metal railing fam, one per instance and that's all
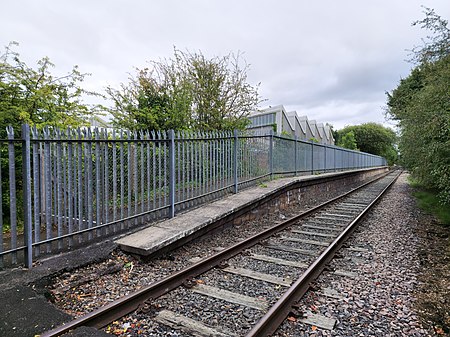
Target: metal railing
(65, 188)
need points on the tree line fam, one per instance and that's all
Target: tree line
(186, 92)
(369, 137)
(421, 106)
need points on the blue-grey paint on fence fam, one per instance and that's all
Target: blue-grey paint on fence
(171, 173)
(235, 161)
(26, 170)
(12, 192)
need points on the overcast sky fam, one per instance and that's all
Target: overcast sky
(330, 60)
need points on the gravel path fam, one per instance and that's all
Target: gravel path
(380, 301)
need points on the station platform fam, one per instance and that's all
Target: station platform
(171, 233)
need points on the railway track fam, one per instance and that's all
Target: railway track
(251, 287)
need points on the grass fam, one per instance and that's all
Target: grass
(428, 201)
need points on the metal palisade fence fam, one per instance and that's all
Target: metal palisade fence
(65, 188)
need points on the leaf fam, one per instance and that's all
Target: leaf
(313, 328)
(292, 319)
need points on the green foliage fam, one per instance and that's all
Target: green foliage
(286, 134)
(154, 100)
(186, 92)
(428, 200)
(437, 45)
(36, 97)
(371, 138)
(421, 106)
(274, 127)
(347, 140)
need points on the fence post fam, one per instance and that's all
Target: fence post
(90, 188)
(334, 159)
(271, 153)
(312, 157)
(235, 160)
(12, 191)
(172, 173)
(27, 230)
(295, 154)
(98, 181)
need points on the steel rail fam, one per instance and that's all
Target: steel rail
(129, 303)
(276, 315)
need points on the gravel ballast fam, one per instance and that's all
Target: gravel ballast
(384, 299)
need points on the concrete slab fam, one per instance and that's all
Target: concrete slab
(151, 239)
(189, 326)
(319, 321)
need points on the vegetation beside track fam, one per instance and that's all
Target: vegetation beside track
(428, 201)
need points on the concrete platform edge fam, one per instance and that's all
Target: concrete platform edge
(193, 223)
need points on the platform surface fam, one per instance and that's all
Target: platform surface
(159, 235)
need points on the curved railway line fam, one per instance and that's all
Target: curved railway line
(265, 275)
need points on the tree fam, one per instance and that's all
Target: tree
(421, 106)
(189, 91)
(348, 141)
(36, 97)
(371, 138)
(437, 45)
(154, 102)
